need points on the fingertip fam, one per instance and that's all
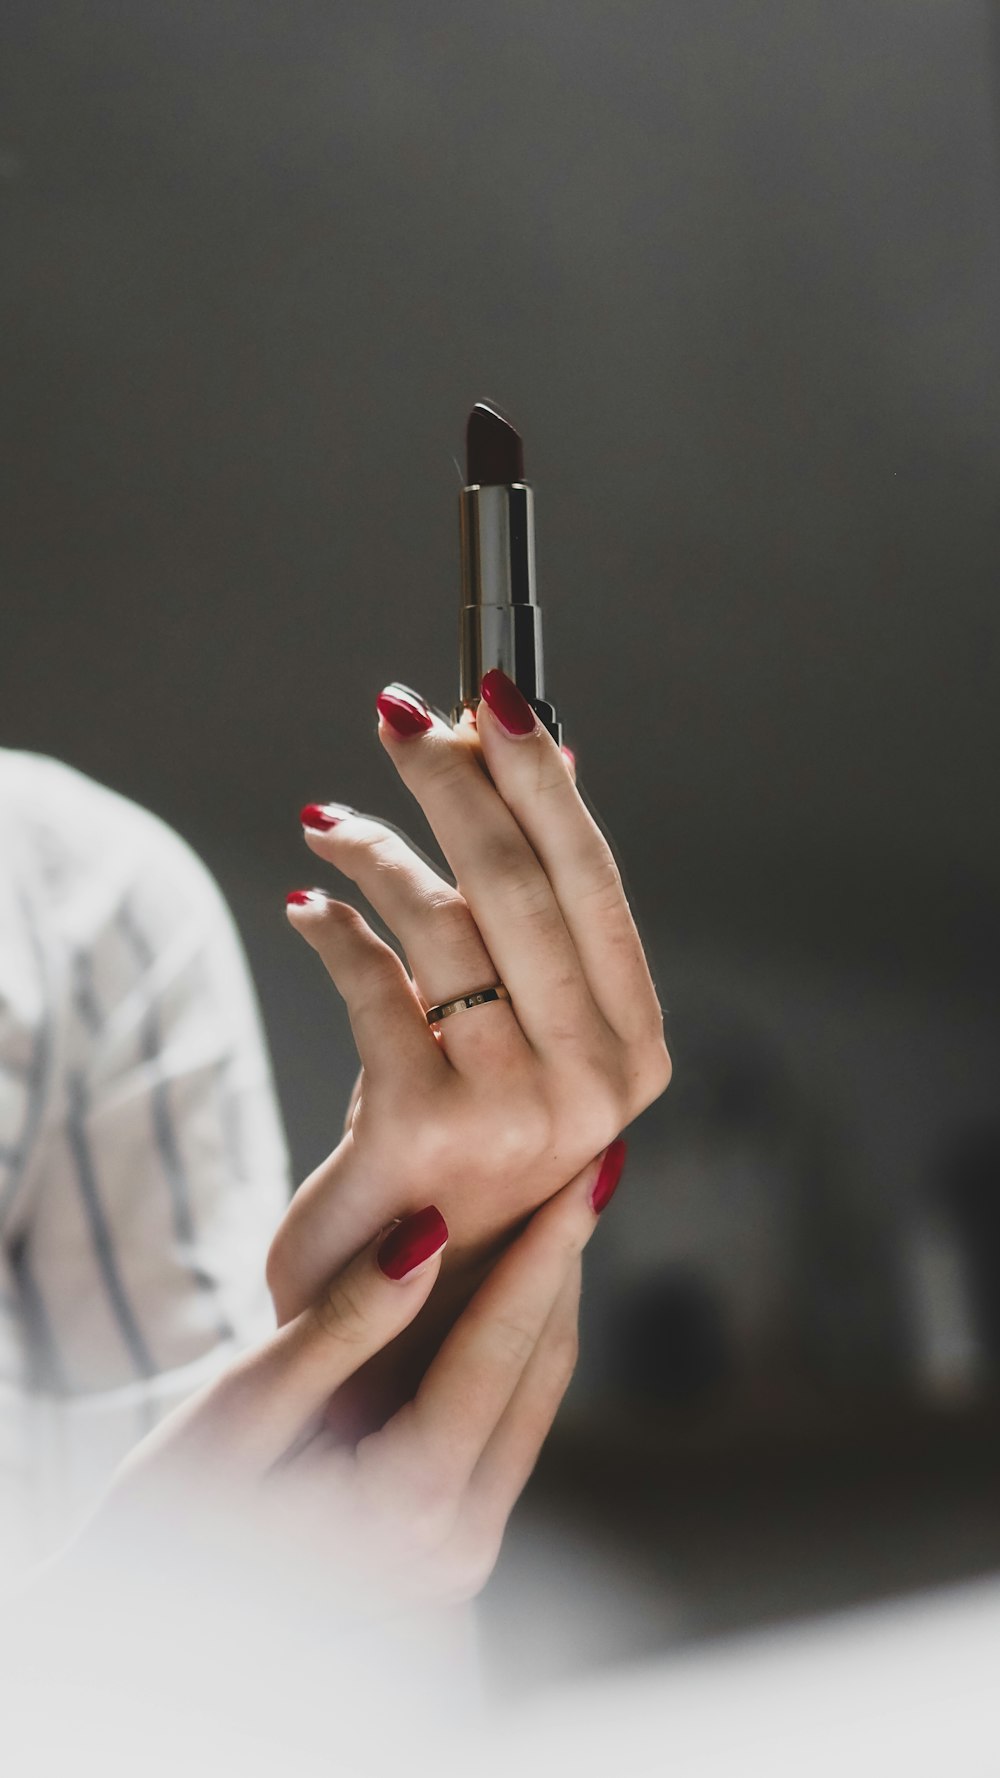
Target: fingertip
(297, 899)
(609, 1175)
(403, 714)
(508, 706)
(413, 1245)
(319, 818)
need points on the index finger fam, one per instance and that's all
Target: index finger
(539, 787)
(468, 1387)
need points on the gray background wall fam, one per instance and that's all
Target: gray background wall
(735, 270)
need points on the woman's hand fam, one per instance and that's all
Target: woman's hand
(417, 1511)
(494, 1111)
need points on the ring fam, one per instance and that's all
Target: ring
(478, 997)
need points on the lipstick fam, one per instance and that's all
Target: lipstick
(501, 620)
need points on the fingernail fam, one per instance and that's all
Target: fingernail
(412, 1241)
(606, 1183)
(512, 711)
(568, 755)
(300, 898)
(404, 711)
(322, 816)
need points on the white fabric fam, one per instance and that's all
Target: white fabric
(142, 1163)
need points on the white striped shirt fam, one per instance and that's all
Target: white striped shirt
(142, 1164)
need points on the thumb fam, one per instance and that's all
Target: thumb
(262, 1404)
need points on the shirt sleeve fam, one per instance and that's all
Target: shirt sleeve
(158, 1171)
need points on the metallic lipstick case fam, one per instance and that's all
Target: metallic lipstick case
(501, 620)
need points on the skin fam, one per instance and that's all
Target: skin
(413, 1514)
(495, 1113)
(447, 1382)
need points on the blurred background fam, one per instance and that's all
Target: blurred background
(735, 271)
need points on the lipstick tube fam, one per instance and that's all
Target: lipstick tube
(501, 620)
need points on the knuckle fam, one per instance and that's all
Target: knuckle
(611, 1089)
(345, 920)
(599, 1105)
(519, 1139)
(512, 1341)
(450, 913)
(392, 861)
(412, 1493)
(387, 854)
(600, 886)
(374, 976)
(653, 1073)
(429, 1512)
(549, 776)
(466, 1570)
(431, 1147)
(277, 1270)
(381, 968)
(569, 1244)
(609, 1095)
(662, 1067)
(585, 1038)
(351, 940)
(380, 841)
(341, 1312)
(428, 1529)
(565, 1355)
(506, 1139)
(444, 762)
(507, 860)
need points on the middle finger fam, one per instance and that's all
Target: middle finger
(497, 872)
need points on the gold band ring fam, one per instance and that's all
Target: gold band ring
(478, 997)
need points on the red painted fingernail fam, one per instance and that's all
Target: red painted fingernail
(606, 1183)
(404, 711)
(321, 815)
(568, 755)
(512, 711)
(412, 1241)
(324, 815)
(300, 898)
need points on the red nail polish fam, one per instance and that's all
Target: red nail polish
(412, 1241)
(322, 816)
(606, 1183)
(568, 755)
(512, 711)
(404, 711)
(300, 898)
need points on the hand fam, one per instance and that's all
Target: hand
(417, 1511)
(497, 1109)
